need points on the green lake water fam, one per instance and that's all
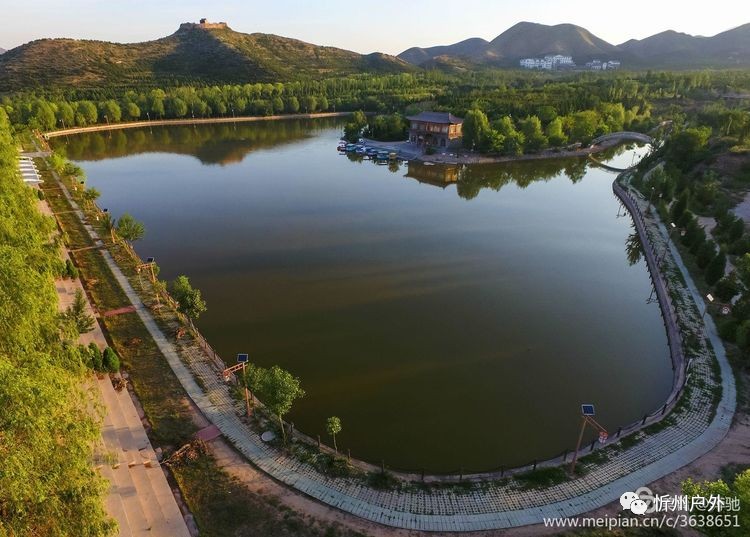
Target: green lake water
(452, 317)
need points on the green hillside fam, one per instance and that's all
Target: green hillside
(193, 54)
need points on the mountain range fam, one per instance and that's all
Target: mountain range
(195, 53)
(213, 53)
(668, 49)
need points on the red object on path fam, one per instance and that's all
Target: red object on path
(119, 311)
(208, 433)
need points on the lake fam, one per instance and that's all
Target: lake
(452, 317)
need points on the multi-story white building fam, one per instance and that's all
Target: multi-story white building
(549, 62)
(599, 65)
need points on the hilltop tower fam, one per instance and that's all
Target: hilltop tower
(203, 24)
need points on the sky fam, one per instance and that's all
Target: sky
(389, 26)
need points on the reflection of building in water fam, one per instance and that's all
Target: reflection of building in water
(440, 175)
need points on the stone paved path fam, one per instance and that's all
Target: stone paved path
(480, 508)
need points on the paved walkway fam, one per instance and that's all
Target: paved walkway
(140, 498)
(492, 506)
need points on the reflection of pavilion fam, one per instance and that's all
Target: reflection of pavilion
(437, 175)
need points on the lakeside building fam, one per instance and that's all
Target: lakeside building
(436, 129)
(549, 62)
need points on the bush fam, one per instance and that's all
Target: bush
(706, 253)
(715, 269)
(727, 287)
(728, 329)
(111, 360)
(96, 359)
(71, 271)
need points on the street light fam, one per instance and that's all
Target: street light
(242, 360)
(587, 418)
(659, 259)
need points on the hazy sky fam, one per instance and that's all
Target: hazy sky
(385, 25)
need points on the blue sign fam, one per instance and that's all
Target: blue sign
(242, 358)
(587, 410)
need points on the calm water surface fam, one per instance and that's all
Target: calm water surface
(449, 324)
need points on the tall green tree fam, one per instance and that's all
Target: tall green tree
(77, 315)
(278, 389)
(715, 269)
(476, 130)
(333, 427)
(189, 299)
(47, 431)
(129, 228)
(535, 139)
(555, 133)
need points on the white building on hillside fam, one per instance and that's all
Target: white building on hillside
(549, 62)
(599, 65)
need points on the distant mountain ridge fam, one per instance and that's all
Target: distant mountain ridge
(683, 50)
(530, 40)
(202, 53)
(213, 53)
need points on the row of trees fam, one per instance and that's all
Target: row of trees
(47, 483)
(497, 93)
(685, 185)
(533, 133)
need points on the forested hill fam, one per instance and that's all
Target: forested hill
(193, 54)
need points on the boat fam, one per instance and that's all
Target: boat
(360, 151)
(350, 148)
(371, 152)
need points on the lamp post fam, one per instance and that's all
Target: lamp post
(242, 360)
(660, 258)
(587, 418)
(710, 299)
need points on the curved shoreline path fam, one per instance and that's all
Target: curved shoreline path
(191, 121)
(696, 430)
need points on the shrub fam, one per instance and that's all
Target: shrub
(706, 253)
(96, 360)
(715, 269)
(742, 335)
(111, 360)
(71, 271)
(728, 329)
(727, 287)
